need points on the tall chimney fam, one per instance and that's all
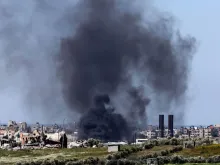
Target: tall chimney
(161, 125)
(170, 125)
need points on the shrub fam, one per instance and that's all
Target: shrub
(174, 141)
(91, 161)
(213, 159)
(177, 160)
(181, 160)
(123, 154)
(148, 146)
(163, 153)
(92, 142)
(177, 148)
(155, 143)
(109, 157)
(111, 162)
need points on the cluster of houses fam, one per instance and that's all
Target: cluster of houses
(14, 126)
(153, 132)
(20, 135)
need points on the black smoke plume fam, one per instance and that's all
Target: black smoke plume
(113, 45)
(101, 122)
(138, 105)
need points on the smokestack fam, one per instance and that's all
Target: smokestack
(170, 125)
(161, 125)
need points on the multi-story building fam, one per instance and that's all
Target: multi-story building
(217, 126)
(22, 126)
(176, 131)
(151, 134)
(11, 123)
(35, 127)
(12, 126)
(207, 132)
(194, 132)
(185, 131)
(202, 132)
(3, 131)
(52, 129)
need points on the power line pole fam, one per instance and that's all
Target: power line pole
(63, 133)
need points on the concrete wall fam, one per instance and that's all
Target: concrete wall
(53, 136)
(113, 148)
(71, 138)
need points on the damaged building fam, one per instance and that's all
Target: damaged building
(14, 135)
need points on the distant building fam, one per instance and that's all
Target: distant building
(24, 138)
(11, 123)
(52, 129)
(12, 126)
(22, 126)
(194, 132)
(217, 126)
(35, 127)
(151, 134)
(3, 131)
(207, 132)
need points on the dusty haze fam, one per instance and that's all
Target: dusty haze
(30, 33)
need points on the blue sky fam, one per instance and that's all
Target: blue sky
(200, 19)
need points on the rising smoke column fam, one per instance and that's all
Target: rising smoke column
(100, 122)
(112, 40)
(137, 109)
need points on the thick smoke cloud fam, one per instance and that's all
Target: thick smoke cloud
(108, 46)
(30, 32)
(113, 41)
(102, 123)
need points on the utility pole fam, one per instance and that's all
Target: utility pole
(63, 133)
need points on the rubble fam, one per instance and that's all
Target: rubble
(35, 140)
(38, 138)
(93, 143)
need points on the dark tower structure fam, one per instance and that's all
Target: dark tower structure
(170, 125)
(161, 125)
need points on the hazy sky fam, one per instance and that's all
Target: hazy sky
(200, 19)
(197, 18)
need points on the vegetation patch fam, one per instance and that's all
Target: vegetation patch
(11, 157)
(154, 150)
(166, 150)
(198, 164)
(204, 151)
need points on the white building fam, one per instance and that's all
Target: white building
(151, 134)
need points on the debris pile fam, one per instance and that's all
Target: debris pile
(35, 140)
(85, 143)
